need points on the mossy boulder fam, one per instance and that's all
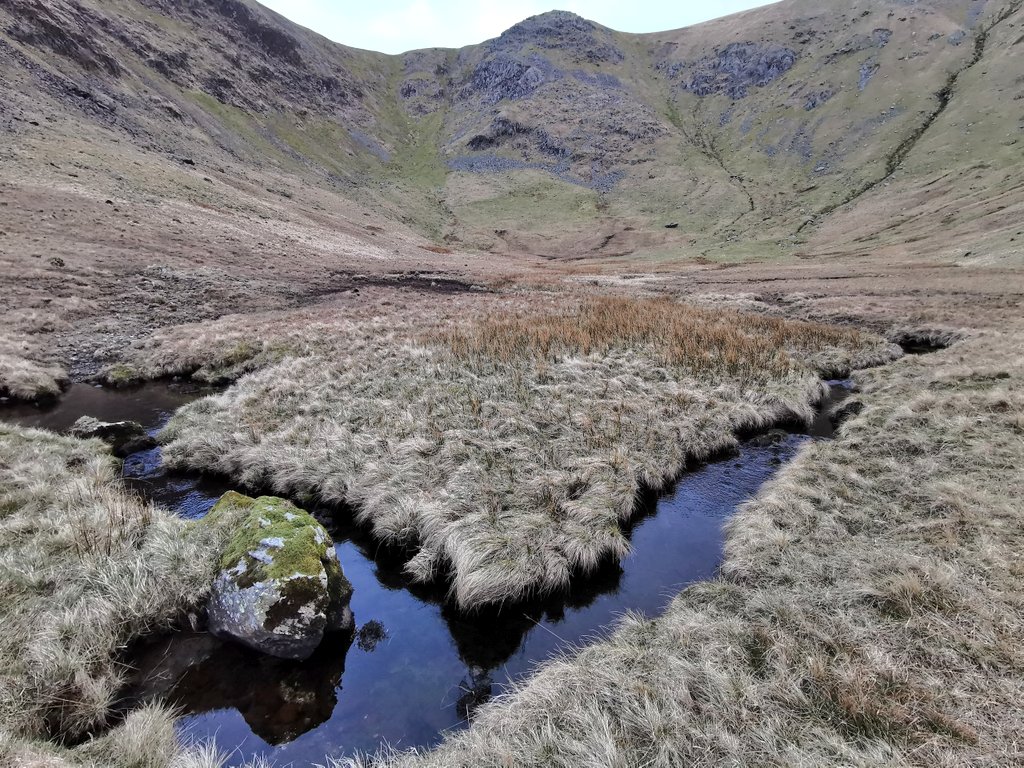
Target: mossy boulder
(280, 586)
(121, 375)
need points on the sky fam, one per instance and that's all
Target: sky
(396, 26)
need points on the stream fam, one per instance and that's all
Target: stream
(416, 667)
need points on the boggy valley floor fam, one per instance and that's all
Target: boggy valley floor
(507, 451)
(866, 611)
(203, 189)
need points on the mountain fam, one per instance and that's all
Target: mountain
(798, 128)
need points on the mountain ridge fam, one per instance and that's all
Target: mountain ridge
(748, 133)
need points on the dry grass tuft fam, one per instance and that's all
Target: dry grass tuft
(84, 569)
(714, 342)
(222, 350)
(25, 371)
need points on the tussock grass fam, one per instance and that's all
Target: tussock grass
(84, 569)
(145, 739)
(225, 349)
(707, 341)
(868, 611)
(508, 453)
(25, 371)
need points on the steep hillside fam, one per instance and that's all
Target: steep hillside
(561, 138)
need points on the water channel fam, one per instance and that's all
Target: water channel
(416, 668)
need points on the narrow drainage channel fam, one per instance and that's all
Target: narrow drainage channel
(417, 667)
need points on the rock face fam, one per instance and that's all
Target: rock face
(124, 437)
(737, 67)
(280, 586)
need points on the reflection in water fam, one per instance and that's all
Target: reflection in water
(370, 634)
(419, 667)
(278, 699)
(150, 406)
(477, 689)
(486, 639)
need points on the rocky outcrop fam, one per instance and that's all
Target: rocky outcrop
(733, 69)
(583, 40)
(816, 98)
(280, 586)
(124, 437)
(505, 76)
(505, 131)
(61, 31)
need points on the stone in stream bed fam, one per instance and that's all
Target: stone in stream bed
(280, 586)
(769, 438)
(124, 437)
(845, 411)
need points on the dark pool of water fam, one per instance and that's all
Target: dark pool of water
(417, 667)
(151, 406)
(922, 347)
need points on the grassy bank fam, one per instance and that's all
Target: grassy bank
(26, 373)
(84, 569)
(868, 611)
(507, 451)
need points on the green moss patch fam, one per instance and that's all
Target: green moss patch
(275, 539)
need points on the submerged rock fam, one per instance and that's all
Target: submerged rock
(124, 437)
(769, 438)
(280, 585)
(845, 411)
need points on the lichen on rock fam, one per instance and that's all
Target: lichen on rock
(280, 585)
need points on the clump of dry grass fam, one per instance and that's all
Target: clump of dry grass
(26, 373)
(225, 349)
(84, 568)
(868, 611)
(715, 342)
(146, 738)
(509, 453)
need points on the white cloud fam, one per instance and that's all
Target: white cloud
(490, 20)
